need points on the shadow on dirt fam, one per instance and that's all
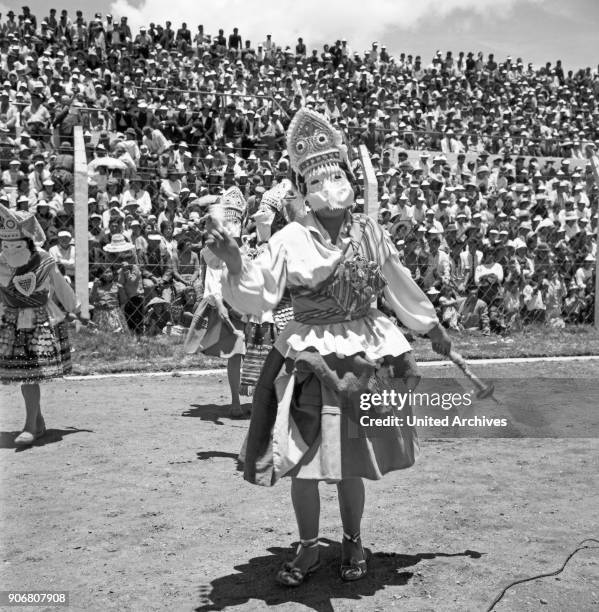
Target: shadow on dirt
(255, 580)
(7, 438)
(203, 455)
(213, 413)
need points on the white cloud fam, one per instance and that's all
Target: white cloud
(317, 21)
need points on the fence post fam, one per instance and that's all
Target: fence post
(371, 191)
(594, 162)
(81, 222)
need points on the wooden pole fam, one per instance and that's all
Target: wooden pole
(594, 161)
(81, 223)
(371, 190)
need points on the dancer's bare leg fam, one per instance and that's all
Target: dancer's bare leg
(34, 421)
(234, 375)
(351, 507)
(306, 504)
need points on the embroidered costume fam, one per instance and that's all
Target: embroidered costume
(34, 297)
(306, 410)
(209, 332)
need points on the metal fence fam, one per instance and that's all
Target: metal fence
(146, 300)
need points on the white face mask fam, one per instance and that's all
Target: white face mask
(294, 207)
(233, 228)
(264, 218)
(329, 190)
(16, 252)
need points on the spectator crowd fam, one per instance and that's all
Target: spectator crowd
(498, 235)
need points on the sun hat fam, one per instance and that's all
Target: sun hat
(118, 244)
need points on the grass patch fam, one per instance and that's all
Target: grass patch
(535, 341)
(97, 352)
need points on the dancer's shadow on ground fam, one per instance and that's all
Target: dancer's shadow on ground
(7, 438)
(213, 412)
(255, 580)
(203, 455)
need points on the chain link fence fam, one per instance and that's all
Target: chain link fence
(146, 300)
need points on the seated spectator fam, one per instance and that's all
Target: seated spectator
(574, 304)
(64, 253)
(473, 312)
(186, 269)
(157, 317)
(585, 272)
(438, 266)
(534, 304)
(554, 298)
(512, 301)
(157, 270)
(448, 302)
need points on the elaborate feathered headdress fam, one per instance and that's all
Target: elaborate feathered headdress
(18, 225)
(312, 143)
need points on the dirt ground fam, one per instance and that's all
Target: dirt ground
(133, 502)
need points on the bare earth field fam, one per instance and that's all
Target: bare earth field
(132, 502)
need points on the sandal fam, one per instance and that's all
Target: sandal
(292, 576)
(355, 569)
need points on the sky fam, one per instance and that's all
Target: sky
(535, 30)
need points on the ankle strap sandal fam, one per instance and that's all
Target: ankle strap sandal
(353, 569)
(291, 575)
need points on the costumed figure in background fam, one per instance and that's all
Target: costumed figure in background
(261, 331)
(34, 300)
(216, 328)
(306, 413)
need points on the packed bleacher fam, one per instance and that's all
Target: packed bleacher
(496, 233)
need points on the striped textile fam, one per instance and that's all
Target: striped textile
(349, 292)
(259, 339)
(33, 355)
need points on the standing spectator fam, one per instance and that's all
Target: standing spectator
(129, 278)
(183, 38)
(235, 42)
(105, 298)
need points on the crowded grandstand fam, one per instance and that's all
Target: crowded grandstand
(481, 163)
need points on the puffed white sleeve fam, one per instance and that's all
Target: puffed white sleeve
(259, 286)
(213, 283)
(62, 291)
(410, 304)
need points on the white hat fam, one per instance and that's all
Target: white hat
(118, 244)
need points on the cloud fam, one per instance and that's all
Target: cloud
(317, 21)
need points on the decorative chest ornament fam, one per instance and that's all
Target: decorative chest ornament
(25, 283)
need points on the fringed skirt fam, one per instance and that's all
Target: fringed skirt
(303, 427)
(36, 354)
(259, 340)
